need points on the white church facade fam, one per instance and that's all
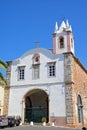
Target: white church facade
(41, 82)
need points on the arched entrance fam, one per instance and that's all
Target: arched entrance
(36, 106)
(80, 109)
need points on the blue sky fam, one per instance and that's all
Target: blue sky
(22, 22)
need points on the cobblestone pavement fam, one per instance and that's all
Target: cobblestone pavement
(38, 128)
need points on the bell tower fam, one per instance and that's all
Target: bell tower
(63, 40)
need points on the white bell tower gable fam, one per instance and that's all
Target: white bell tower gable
(63, 40)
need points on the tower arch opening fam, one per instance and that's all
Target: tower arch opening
(61, 42)
(36, 106)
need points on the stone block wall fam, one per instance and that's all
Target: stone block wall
(6, 101)
(68, 88)
(76, 84)
(1, 98)
(7, 88)
(79, 88)
(8, 72)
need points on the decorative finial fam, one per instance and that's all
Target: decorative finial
(63, 25)
(67, 23)
(70, 28)
(56, 27)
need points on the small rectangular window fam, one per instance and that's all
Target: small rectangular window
(21, 73)
(51, 70)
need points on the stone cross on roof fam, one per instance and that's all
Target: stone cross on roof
(37, 43)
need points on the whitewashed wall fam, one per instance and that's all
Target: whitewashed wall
(54, 86)
(45, 57)
(55, 92)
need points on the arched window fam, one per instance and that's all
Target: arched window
(36, 58)
(61, 42)
(80, 109)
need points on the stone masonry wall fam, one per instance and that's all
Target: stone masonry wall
(79, 88)
(7, 88)
(68, 88)
(6, 100)
(76, 84)
(8, 72)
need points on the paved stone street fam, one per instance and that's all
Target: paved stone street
(38, 128)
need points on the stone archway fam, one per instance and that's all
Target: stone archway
(36, 106)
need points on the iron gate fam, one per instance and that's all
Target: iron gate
(35, 114)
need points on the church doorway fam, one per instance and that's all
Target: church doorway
(36, 106)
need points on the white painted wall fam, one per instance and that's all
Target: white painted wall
(45, 57)
(58, 50)
(55, 92)
(54, 86)
(57, 100)
(65, 49)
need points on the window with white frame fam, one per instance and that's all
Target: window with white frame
(21, 73)
(36, 71)
(51, 69)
